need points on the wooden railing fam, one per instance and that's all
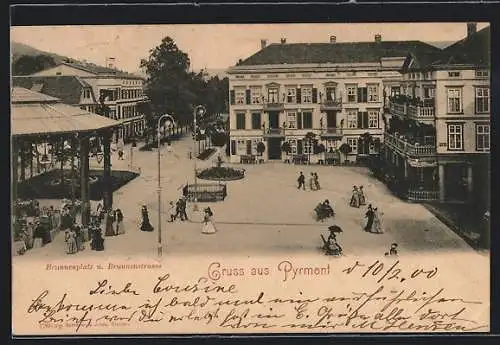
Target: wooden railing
(274, 131)
(397, 108)
(331, 104)
(331, 131)
(423, 195)
(406, 148)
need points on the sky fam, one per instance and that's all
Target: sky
(213, 46)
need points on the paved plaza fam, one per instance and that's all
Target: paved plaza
(264, 214)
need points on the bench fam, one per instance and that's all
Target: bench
(300, 159)
(205, 192)
(248, 159)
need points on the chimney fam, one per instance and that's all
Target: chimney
(378, 38)
(283, 40)
(471, 29)
(333, 39)
(110, 62)
(263, 43)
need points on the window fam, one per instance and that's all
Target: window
(362, 94)
(291, 118)
(86, 93)
(395, 91)
(254, 145)
(352, 92)
(429, 92)
(241, 147)
(482, 137)
(331, 145)
(256, 93)
(454, 74)
(352, 118)
(482, 74)
(455, 137)
(373, 118)
(353, 144)
(272, 95)
(240, 120)
(307, 120)
(482, 100)
(308, 146)
(291, 95)
(372, 93)
(306, 95)
(293, 146)
(240, 96)
(330, 93)
(256, 121)
(454, 100)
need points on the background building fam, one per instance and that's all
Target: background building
(438, 138)
(121, 92)
(334, 90)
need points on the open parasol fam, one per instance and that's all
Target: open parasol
(335, 228)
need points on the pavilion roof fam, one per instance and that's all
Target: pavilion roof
(33, 113)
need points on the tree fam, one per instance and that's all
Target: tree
(29, 64)
(345, 149)
(261, 148)
(286, 148)
(310, 137)
(170, 85)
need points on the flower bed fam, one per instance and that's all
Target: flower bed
(221, 174)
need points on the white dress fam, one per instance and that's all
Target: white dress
(208, 225)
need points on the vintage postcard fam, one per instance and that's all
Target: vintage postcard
(263, 178)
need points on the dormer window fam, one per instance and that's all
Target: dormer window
(482, 74)
(454, 74)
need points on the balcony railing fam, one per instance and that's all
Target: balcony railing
(420, 112)
(422, 195)
(335, 104)
(331, 131)
(398, 109)
(274, 106)
(405, 147)
(274, 132)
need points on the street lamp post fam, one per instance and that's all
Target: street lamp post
(160, 246)
(200, 111)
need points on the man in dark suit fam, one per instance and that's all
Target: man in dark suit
(302, 181)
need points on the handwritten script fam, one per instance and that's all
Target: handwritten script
(390, 304)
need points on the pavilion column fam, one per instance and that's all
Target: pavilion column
(106, 176)
(84, 181)
(22, 147)
(441, 182)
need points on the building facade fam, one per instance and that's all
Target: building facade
(438, 139)
(335, 91)
(121, 92)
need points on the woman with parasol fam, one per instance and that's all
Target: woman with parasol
(208, 225)
(331, 245)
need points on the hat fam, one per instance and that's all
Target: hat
(394, 245)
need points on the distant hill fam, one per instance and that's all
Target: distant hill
(19, 49)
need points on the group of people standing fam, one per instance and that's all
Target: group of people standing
(313, 181)
(114, 223)
(178, 210)
(74, 238)
(358, 197)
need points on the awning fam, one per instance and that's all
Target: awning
(416, 163)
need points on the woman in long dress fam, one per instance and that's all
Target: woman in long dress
(377, 221)
(355, 197)
(120, 229)
(362, 200)
(208, 225)
(145, 225)
(110, 219)
(70, 237)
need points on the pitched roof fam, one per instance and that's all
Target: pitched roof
(67, 88)
(100, 70)
(33, 113)
(472, 50)
(357, 52)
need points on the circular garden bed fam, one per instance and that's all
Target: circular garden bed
(221, 174)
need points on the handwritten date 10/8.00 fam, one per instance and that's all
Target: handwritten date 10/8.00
(382, 272)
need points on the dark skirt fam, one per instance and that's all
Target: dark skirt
(146, 225)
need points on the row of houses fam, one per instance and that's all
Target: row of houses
(428, 107)
(89, 86)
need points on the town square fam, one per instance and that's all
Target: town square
(109, 162)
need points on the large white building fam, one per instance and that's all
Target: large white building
(438, 138)
(334, 90)
(122, 92)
